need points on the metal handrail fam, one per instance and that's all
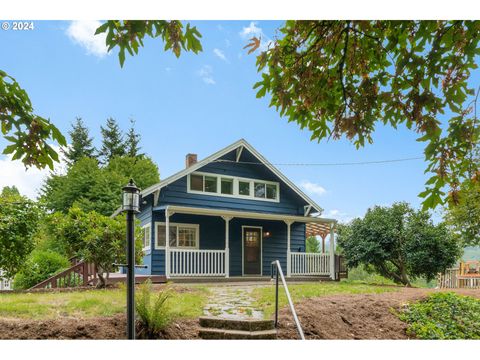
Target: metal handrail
(278, 271)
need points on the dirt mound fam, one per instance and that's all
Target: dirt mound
(362, 316)
(91, 328)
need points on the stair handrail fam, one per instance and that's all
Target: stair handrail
(278, 272)
(84, 268)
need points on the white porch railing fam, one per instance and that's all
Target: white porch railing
(310, 264)
(186, 262)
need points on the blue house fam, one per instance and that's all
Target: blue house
(231, 215)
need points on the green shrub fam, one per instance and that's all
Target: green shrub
(367, 275)
(39, 266)
(152, 310)
(443, 316)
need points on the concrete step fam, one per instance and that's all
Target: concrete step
(219, 334)
(241, 325)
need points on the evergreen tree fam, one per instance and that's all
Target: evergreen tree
(132, 142)
(112, 141)
(10, 191)
(91, 187)
(81, 144)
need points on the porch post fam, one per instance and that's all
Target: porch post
(167, 243)
(332, 251)
(289, 257)
(227, 245)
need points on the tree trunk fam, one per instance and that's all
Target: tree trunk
(102, 283)
(101, 280)
(403, 275)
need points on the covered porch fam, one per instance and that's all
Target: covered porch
(280, 237)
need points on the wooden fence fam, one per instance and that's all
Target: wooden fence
(452, 279)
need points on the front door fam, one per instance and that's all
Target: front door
(252, 253)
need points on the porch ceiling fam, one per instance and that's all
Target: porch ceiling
(321, 223)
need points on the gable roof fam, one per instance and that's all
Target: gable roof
(242, 143)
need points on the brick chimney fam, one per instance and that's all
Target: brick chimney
(190, 159)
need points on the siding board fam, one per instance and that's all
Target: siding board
(212, 229)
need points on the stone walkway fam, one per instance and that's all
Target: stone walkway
(233, 302)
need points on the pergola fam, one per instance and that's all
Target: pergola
(318, 229)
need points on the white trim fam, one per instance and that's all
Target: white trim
(248, 214)
(227, 245)
(261, 249)
(306, 210)
(220, 153)
(156, 194)
(289, 246)
(236, 180)
(332, 251)
(144, 227)
(197, 235)
(239, 153)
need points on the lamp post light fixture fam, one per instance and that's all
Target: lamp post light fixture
(131, 205)
(131, 197)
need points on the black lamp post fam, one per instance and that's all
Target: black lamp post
(131, 205)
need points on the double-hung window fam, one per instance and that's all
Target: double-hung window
(181, 235)
(146, 236)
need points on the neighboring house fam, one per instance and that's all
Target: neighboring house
(231, 215)
(5, 284)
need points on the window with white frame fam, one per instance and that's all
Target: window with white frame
(232, 186)
(181, 235)
(146, 236)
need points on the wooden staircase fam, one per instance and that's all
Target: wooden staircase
(217, 328)
(79, 274)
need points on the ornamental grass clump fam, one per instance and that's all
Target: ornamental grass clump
(152, 310)
(443, 316)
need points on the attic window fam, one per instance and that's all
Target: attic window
(210, 184)
(232, 186)
(227, 186)
(196, 182)
(244, 188)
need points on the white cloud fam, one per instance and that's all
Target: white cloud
(341, 216)
(83, 34)
(206, 73)
(312, 188)
(254, 31)
(220, 54)
(251, 31)
(28, 182)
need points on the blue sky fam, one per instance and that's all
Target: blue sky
(198, 103)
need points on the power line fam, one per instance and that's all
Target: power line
(323, 164)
